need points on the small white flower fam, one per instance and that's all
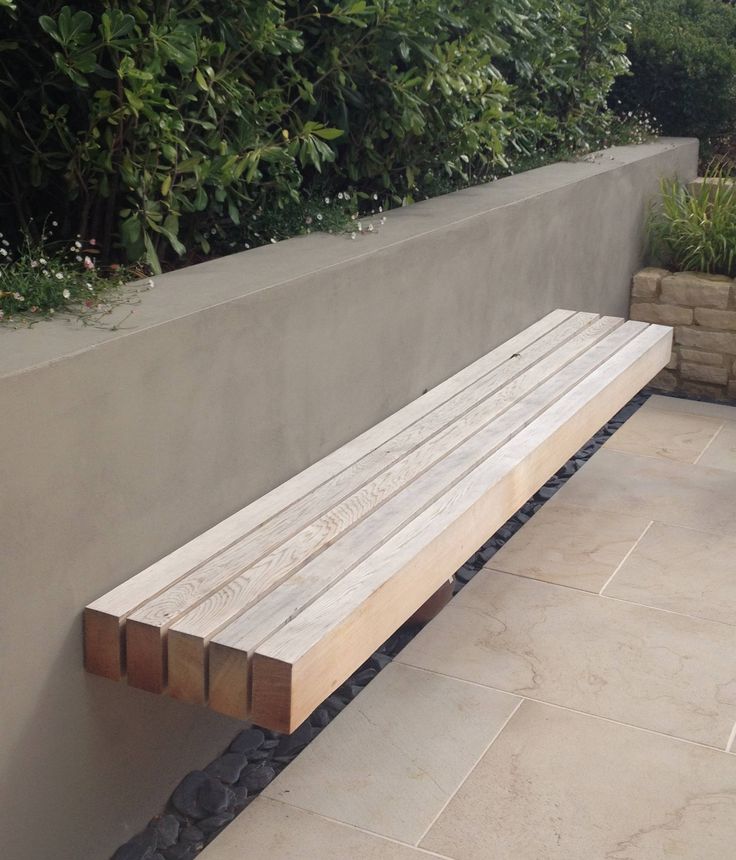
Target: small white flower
(52, 311)
(247, 246)
(339, 195)
(45, 273)
(360, 227)
(375, 197)
(151, 284)
(66, 294)
(89, 287)
(34, 264)
(6, 243)
(327, 200)
(42, 261)
(319, 216)
(18, 297)
(353, 234)
(54, 223)
(273, 241)
(78, 258)
(59, 276)
(3, 252)
(370, 228)
(380, 208)
(213, 231)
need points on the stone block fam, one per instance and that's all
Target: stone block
(699, 357)
(696, 289)
(710, 341)
(646, 282)
(704, 373)
(724, 320)
(664, 314)
(701, 389)
(665, 380)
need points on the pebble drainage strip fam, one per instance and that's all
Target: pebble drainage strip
(206, 801)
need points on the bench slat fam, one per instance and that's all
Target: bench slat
(247, 570)
(189, 637)
(104, 618)
(295, 669)
(231, 649)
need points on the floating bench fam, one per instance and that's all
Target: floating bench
(265, 614)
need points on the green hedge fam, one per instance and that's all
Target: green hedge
(165, 126)
(683, 64)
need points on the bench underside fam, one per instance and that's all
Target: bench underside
(268, 612)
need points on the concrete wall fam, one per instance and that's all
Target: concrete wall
(230, 377)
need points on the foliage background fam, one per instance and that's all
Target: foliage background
(173, 128)
(683, 64)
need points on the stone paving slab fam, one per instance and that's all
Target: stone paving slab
(391, 761)
(577, 700)
(277, 831)
(681, 570)
(557, 784)
(659, 670)
(569, 545)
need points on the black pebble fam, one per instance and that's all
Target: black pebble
(215, 822)
(134, 851)
(167, 830)
(256, 778)
(184, 799)
(191, 835)
(247, 740)
(228, 767)
(298, 739)
(214, 797)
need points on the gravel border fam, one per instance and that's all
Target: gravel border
(206, 801)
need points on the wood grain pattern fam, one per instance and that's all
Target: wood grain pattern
(228, 584)
(338, 550)
(104, 618)
(296, 668)
(231, 650)
(269, 611)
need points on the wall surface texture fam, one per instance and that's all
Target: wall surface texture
(118, 446)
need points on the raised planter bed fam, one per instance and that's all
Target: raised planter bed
(702, 309)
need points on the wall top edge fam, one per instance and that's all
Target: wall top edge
(206, 285)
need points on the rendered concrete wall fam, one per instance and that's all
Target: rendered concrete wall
(230, 377)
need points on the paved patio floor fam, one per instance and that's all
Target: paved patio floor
(576, 700)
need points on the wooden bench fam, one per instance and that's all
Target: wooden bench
(265, 614)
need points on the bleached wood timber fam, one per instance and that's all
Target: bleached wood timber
(268, 612)
(295, 669)
(351, 530)
(232, 649)
(235, 579)
(105, 618)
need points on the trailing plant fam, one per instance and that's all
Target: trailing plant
(164, 126)
(44, 276)
(693, 228)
